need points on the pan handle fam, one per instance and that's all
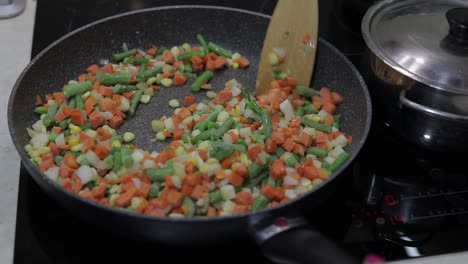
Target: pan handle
(292, 240)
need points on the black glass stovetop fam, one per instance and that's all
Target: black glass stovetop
(397, 201)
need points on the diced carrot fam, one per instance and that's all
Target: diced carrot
(116, 121)
(179, 78)
(53, 148)
(311, 172)
(269, 191)
(70, 161)
(328, 120)
(106, 91)
(143, 191)
(198, 192)
(47, 162)
(38, 100)
(82, 78)
(95, 119)
(99, 191)
(193, 179)
(323, 173)
(325, 94)
(329, 107)
(189, 100)
(128, 95)
(165, 155)
(89, 104)
(77, 186)
(317, 104)
(235, 179)
(270, 146)
(278, 137)
(177, 64)
(239, 208)
(278, 169)
(297, 103)
(152, 51)
(65, 171)
(336, 98)
(196, 60)
(175, 198)
(67, 111)
(67, 184)
(77, 117)
(299, 149)
(106, 104)
(187, 190)
(183, 113)
(197, 67)
(295, 122)
(225, 95)
(243, 62)
(107, 69)
(254, 150)
(59, 98)
(279, 193)
(211, 211)
(166, 75)
(210, 65)
(245, 198)
(125, 198)
(289, 144)
(178, 133)
(168, 57)
(101, 151)
(93, 69)
(321, 137)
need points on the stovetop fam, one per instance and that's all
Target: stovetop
(397, 201)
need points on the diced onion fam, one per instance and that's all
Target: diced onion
(236, 91)
(176, 181)
(85, 173)
(322, 113)
(40, 140)
(291, 194)
(336, 152)
(106, 115)
(287, 109)
(52, 173)
(169, 124)
(92, 158)
(149, 164)
(288, 180)
(228, 192)
(124, 104)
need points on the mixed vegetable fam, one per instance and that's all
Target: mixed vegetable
(232, 154)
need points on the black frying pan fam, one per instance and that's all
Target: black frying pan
(283, 240)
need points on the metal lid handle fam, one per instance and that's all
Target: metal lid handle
(458, 21)
(413, 105)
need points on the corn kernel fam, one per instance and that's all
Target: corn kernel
(223, 116)
(160, 135)
(73, 140)
(174, 103)
(211, 94)
(186, 47)
(151, 80)
(196, 132)
(77, 147)
(86, 95)
(273, 58)
(236, 56)
(74, 129)
(235, 65)
(43, 150)
(175, 51)
(116, 144)
(128, 136)
(145, 99)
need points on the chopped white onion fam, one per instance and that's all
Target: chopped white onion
(227, 138)
(84, 173)
(317, 163)
(52, 173)
(248, 113)
(39, 127)
(245, 132)
(124, 104)
(329, 159)
(40, 140)
(92, 158)
(233, 102)
(288, 180)
(169, 124)
(137, 155)
(228, 207)
(106, 115)
(336, 152)
(236, 91)
(176, 181)
(228, 192)
(322, 113)
(201, 106)
(154, 154)
(147, 164)
(223, 182)
(287, 109)
(124, 46)
(291, 194)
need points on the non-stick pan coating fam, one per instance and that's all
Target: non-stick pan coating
(236, 30)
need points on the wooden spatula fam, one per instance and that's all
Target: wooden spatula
(293, 28)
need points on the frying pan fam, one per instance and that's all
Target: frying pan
(281, 231)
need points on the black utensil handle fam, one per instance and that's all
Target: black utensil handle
(458, 21)
(292, 240)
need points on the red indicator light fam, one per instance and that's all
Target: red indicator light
(390, 200)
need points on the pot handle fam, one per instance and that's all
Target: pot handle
(413, 105)
(292, 240)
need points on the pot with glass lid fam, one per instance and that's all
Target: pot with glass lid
(417, 69)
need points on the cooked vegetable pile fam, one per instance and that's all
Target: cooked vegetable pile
(233, 154)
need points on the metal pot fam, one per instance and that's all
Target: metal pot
(417, 69)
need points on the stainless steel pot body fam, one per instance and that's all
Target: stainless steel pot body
(420, 114)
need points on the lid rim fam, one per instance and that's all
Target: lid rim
(366, 24)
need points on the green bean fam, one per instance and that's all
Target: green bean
(219, 50)
(125, 54)
(279, 183)
(337, 123)
(188, 68)
(190, 205)
(246, 94)
(123, 88)
(241, 142)
(190, 54)
(79, 101)
(279, 74)
(291, 162)
(160, 174)
(161, 51)
(149, 73)
(306, 91)
(186, 139)
(47, 121)
(142, 69)
(325, 165)
(127, 160)
(271, 181)
(214, 115)
(260, 202)
(137, 61)
(205, 76)
(212, 125)
(299, 111)
(320, 127)
(135, 100)
(85, 126)
(280, 151)
(74, 89)
(40, 110)
(266, 123)
(223, 154)
(223, 129)
(202, 41)
(339, 161)
(205, 135)
(321, 153)
(52, 111)
(59, 159)
(64, 124)
(117, 156)
(155, 187)
(310, 109)
(221, 146)
(215, 197)
(72, 103)
(255, 181)
(202, 126)
(109, 160)
(52, 136)
(255, 169)
(118, 78)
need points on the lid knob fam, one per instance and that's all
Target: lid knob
(458, 21)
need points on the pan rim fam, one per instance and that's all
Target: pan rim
(31, 167)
